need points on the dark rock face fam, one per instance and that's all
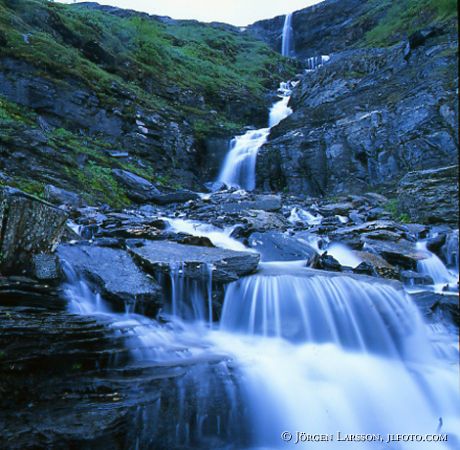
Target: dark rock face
(321, 29)
(162, 256)
(360, 120)
(27, 226)
(430, 196)
(368, 115)
(116, 275)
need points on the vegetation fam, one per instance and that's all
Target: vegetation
(394, 209)
(402, 18)
(186, 71)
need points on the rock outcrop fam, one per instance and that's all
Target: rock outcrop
(115, 275)
(28, 226)
(193, 261)
(430, 196)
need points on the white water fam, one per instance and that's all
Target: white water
(344, 255)
(313, 354)
(219, 237)
(435, 268)
(303, 216)
(239, 168)
(286, 45)
(315, 62)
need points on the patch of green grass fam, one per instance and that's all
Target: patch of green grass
(404, 17)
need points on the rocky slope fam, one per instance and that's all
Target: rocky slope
(85, 89)
(383, 105)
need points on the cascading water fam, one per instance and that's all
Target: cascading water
(239, 168)
(316, 62)
(435, 268)
(327, 355)
(286, 44)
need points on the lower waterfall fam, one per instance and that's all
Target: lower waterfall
(294, 353)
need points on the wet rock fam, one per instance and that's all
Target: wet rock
(138, 189)
(438, 306)
(117, 276)
(434, 244)
(270, 203)
(327, 262)
(415, 278)
(194, 261)
(399, 253)
(264, 221)
(173, 197)
(46, 267)
(60, 196)
(28, 226)
(450, 249)
(275, 246)
(427, 195)
(380, 265)
(200, 241)
(334, 209)
(365, 268)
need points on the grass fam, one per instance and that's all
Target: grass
(404, 17)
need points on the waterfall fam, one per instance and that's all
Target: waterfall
(315, 62)
(434, 268)
(286, 45)
(325, 355)
(339, 310)
(240, 163)
(239, 167)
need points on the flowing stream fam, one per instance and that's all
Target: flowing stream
(294, 351)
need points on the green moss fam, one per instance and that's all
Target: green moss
(392, 206)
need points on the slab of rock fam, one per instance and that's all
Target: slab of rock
(28, 226)
(433, 304)
(270, 203)
(275, 246)
(115, 273)
(400, 253)
(138, 189)
(430, 196)
(164, 256)
(60, 196)
(258, 220)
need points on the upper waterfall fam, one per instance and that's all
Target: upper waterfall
(286, 46)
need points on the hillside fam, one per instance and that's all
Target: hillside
(85, 89)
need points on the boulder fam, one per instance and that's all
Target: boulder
(194, 261)
(400, 253)
(434, 304)
(46, 267)
(270, 203)
(415, 278)
(117, 276)
(28, 226)
(327, 262)
(60, 196)
(167, 198)
(276, 246)
(430, 196)
(257, 220)
(138, 189)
